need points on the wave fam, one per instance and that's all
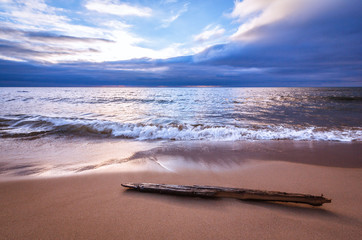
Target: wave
(40, 126)
(102, 100)
(346, 98)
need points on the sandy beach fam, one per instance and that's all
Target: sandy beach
(95, 206)
(252, 101)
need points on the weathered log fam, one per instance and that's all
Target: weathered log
(239, 193)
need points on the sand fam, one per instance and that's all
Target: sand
(95, 206)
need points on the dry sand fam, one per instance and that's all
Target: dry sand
(95, 206)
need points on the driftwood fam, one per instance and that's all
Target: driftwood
(239, 193)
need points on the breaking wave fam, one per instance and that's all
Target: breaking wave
(31, 127)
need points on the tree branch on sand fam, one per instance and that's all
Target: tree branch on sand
(227, 192)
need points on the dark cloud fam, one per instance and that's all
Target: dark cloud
(31, 45)
(12, 48)
(19, 51)
(323, 50)
(177, 74)
(46, 36)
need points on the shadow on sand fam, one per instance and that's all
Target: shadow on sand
(219, 204)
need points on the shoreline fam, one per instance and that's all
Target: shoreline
(50, 157)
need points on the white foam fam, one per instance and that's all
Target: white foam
(190, 132)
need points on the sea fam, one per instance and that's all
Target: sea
(50, 131)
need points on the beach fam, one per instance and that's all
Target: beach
(66, 151)
(178, 119)
(94, 205)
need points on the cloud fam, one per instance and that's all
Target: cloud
(46, 46)
(115, 24)
(91, 36)
(276, 43)
(35, 26)
(147, 69)
(275, 31)
(44, 36)
(210, 32)
(32, 51)
(51, 48)
(49, 37)
(33, 14)
(166, 22)
(211, 35)
(304, 41)
(13, 59)
(36, 15)
(171, 72)
(255, 14)
(169, 1)
(115, 7)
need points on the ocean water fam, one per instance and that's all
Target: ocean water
(182, 114)
(62, 131)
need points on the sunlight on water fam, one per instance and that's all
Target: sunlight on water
(183, 113)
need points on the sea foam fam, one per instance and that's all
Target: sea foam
(39, 126)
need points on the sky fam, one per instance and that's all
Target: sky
(256, 43)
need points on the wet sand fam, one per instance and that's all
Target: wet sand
(69, 156)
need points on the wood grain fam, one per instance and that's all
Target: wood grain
(227, 192)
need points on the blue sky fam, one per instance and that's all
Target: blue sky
(180, 43)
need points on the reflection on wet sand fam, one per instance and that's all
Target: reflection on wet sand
(59, 157)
